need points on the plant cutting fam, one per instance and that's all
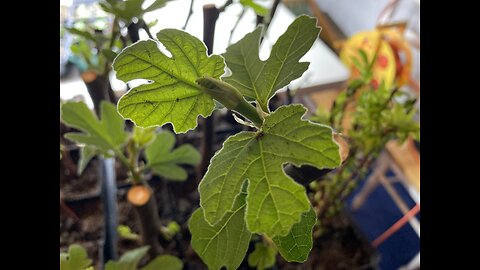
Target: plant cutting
(130, 13)
(94, 53)
(76, 258)
(245, 191)
(107, 137)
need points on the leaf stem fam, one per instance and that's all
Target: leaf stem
(230, 97)
(145, 27)
(190, 12)
(236, 25)
(136, 176)
(114, 36)
(247, 110)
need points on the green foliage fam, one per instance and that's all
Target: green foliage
(379, 115)
(131, 259)
(225, 243)
(364, 66)
(143, 136)
(259, 80)
(380, 118)
(165, 162)
(129, 9)
(321, 116)
(109, 54)
(172, 94)
(259, 9)
(106, 135)
(173, 227)
(182, 87)
(164, 262)
(89, 47)
(75, 259)
(152, 23)
(128, 261)
(96, 37)
(86, 154)
(296, 245)
(170, 230)
(275, 202)
(84, 54)
(263, 256)
(126, 233)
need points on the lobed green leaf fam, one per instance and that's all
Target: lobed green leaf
(259, 80)
(165, 161)
(296, 245)
(171, 95)
(275, 202)
(226, 243)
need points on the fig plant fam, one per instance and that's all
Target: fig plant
(245, 190)
(107, 137)
(76, 258)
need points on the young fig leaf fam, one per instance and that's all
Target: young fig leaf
(86, 154)
(171, 94)
(259, 79)
(274, 202)
(75, 259)
(262, 257)
(165, 162)
(296, 245)
(223, 244)
(129, 260)
(106, 134)
(164, 262)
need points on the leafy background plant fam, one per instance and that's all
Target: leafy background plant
(107, 137)
(76, 259)
(369, 116)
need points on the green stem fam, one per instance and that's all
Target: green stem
(351, 90)
(230, 97)
(247, 110)
(115, 33)
(137, 179)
